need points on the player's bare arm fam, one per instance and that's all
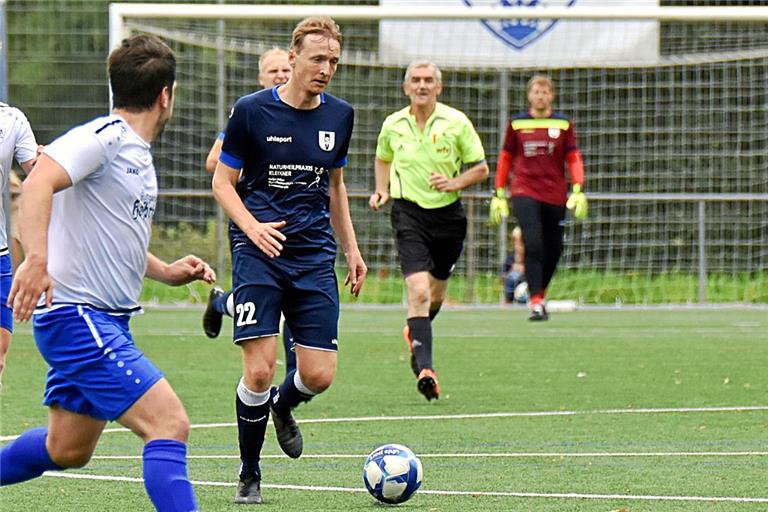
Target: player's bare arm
(381, 196)
(342, 225)
(264, 235)
(213, 155)
(474, 174)
(182, 271)
(32, 279)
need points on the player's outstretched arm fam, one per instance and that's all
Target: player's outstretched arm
(342, 225)
(32, 279)
(182, 271)
(264, 235)
(213, 155)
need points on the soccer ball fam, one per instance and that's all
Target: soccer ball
(521, 292)
(392, 473)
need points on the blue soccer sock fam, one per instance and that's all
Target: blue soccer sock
(252, 413)
(221, 304)
(26, 457)
(290, 355)
(420, 332)
(291, 393)
(165, 476)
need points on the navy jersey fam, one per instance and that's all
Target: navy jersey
(285, 155)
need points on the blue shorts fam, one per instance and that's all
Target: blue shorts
(307, 296)
(95, 367)
(6, 279)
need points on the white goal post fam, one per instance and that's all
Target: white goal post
(674, 145)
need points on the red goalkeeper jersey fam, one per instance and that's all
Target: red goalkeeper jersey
(537, 150)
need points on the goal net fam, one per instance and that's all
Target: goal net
(669, 105)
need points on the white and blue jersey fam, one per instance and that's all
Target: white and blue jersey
(100, 226)
(286, 155)
(97, 256)
(16, 141)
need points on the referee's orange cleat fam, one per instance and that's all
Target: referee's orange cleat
(428, 384)
(407, 338)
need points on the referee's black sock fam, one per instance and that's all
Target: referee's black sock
(434, 309)
(420, 332)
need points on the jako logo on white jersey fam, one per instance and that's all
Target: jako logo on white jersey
(279, 140)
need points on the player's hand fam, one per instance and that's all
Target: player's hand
(378, 199)
(267, 237)
(29, 283)
(499, 208)
(577, 203)
(442, 183)
(187, 269)
(357, 272)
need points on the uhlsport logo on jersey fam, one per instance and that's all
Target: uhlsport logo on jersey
(519, 33)
(326, 140)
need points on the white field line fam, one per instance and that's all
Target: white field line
(512, 455)
(523, 414)
(569, 495)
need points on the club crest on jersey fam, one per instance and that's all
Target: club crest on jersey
(326, 140)
(553, 132)
(519, 33)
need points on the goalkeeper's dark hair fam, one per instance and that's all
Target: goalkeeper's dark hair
(138, 71)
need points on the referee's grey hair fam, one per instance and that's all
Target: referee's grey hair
(422, 64)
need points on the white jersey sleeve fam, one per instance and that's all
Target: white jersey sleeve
(26, 145)
(83, 151)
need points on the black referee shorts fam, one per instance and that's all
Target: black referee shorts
(428, 240)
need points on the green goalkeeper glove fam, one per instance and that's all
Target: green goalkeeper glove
(577, 203)
(499, 208)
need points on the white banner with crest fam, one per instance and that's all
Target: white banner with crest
(520, 42)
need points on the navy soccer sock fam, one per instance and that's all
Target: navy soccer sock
(26, 457)
(291, 393)
(252, 412)
(165, 476)
(420, 332)
(290, 355)
(220, 303)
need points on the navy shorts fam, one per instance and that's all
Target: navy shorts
(428, 240)
(307, 296)
(95, 367)
(6, 279)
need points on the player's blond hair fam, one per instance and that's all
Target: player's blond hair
(540, 80)
(315, 25)
(267, 54)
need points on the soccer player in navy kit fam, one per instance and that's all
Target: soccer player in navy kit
(291, 143)
(86, 251)
(274, 69)
(537, 146)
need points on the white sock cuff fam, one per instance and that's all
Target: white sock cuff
(231, 304)
(300, 385)
(251, 398)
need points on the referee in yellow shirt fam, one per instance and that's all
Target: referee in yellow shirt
(420, 155)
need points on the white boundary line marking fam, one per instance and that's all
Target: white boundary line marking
(509, 455)
(732, 499)
(531, 414)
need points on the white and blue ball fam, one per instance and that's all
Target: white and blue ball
(392, 473)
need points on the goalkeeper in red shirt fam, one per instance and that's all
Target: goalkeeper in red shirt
(538, 147)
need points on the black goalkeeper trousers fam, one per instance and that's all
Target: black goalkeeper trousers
(543, 227)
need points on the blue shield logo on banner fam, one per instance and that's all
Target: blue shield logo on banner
(519, 33)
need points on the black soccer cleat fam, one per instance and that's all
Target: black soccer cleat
(428, 384)
(248, 491)
(538, 313)
(288, 433)
(211, 317)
